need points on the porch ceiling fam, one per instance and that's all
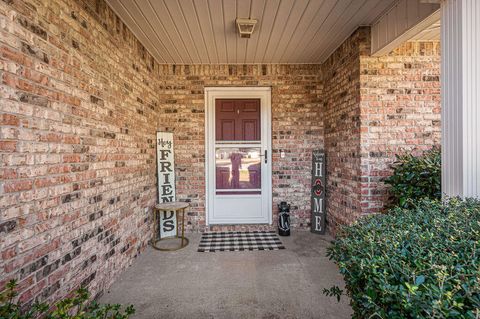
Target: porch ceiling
(203, 31)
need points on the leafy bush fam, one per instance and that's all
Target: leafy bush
(76, 307)
(422, 262)
(415, 177)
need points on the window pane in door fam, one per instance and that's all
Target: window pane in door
(238, 169)
(237, 120)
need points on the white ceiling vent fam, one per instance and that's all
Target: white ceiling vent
(245, 27)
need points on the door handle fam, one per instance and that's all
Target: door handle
(265, 155)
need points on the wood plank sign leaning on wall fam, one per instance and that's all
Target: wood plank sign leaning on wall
(318, 192)
(166, 182)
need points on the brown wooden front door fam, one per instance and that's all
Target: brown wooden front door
(237, 120)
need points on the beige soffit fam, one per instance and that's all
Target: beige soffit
(204, 31)
(404, 20)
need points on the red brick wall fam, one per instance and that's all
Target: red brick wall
(77, 147)
(296, 129)
(81, 101)
(400, 112)
(374, 108)
(341, 113)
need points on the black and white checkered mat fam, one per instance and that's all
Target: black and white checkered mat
(239, 241)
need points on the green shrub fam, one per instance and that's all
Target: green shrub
(415, 177)
(422, 262)
(76, 307)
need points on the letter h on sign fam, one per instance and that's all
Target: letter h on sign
(166, 182)
(318, 192)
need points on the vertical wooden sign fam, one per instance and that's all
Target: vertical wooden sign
(166, 182)
(318, 192)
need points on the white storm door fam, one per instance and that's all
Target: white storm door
(239, 157)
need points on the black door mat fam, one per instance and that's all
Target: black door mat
(239, 241)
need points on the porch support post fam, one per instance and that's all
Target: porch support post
(460, 42)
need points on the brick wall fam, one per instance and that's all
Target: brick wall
(81, 101)
(374, 108)
(77, 148)
(341, 113)
(296, 129)
(400, 112)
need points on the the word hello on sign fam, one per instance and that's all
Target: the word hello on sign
(166, 182)
(318, 192)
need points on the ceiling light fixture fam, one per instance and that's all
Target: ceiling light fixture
(245, 27)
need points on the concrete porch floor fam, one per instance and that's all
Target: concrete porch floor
(252, 284)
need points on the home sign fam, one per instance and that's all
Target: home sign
(318, 192)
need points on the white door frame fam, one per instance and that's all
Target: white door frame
(264, 94)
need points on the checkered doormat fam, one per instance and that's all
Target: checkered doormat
(239, 241)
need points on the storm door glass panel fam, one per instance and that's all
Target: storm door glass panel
(238, 170)
(238, 148)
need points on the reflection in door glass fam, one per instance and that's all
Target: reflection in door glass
(238, 169)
